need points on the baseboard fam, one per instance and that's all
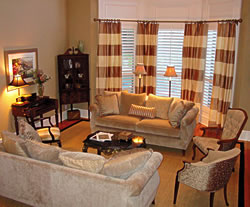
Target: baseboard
(245, 135)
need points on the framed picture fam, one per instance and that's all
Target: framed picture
(20, 62)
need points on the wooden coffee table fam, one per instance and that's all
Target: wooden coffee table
(109, 147)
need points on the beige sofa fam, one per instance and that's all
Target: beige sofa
(39, 183)
(177, 133)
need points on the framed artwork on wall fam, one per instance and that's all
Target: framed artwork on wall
(22, 62)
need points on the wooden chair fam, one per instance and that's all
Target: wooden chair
(226, 138)
(210, 175)
(48, 134)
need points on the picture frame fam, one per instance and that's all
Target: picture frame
(23, 62)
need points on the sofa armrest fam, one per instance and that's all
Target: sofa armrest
(139, 179)
(94, 109)
(190, 116)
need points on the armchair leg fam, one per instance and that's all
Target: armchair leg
(153, 202)
(225, 195)
(59, 144)
(194, 147)
(176, 188)
(211, 199)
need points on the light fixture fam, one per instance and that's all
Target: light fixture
(170, 72)
(18, 82)
(140, 70)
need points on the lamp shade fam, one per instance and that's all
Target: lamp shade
(170, 72)
(140, 69)
(17, 81)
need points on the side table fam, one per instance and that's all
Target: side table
(34, 109)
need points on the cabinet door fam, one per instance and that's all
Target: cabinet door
(81, 72)
(66, 75)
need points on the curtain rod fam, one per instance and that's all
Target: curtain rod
(170, 21)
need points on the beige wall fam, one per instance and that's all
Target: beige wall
(82, 27)
(242, 85)
(31, 24)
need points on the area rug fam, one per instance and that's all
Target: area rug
(65, 124)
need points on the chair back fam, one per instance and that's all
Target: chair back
(212, 173)
(234, 124)
(221, 169)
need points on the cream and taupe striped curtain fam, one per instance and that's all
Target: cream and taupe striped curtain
(109, 68)
(223, 73)
(146, 49)
(193, 61)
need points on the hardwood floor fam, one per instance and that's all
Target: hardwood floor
(72, 140)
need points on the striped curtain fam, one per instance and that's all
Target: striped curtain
(146, 49)
(109, 66)
(223, 73)
(193, 61)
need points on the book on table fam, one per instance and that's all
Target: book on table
(102, 137)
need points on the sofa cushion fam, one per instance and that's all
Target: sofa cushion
(122, 122)
(129, 98)
(26, 131)
(157, 127)
(142, 111)
(83, 161)
(43, 152)
(108, 105)
(125, 164)
(14, 144)
(161, 105)
(176, 113)
(117, 93)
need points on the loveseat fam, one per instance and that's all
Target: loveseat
(168, 122)
(40, 182)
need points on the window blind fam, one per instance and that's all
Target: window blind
(169, 52)
(128, 59)
(209, 69)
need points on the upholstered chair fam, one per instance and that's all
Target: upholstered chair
(49, 133)
(226, 137)
(210, 175)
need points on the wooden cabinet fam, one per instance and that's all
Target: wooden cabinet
(73, 75)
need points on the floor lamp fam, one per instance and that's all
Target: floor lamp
(140, 70)
(170, 72)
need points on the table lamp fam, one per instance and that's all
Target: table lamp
(140, 70)
(17, 82)
(170, 72)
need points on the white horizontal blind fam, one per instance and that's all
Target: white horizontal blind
(169, 52)
(128, 59)
(209, 69)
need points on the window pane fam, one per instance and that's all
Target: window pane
(169, 52)
(128, 59)
(209, 70)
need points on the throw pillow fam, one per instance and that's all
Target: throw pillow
(14, 144)
(83, 161)
(26, 131)
(108, 93)
(188, 105)
(142, 111)
(108, 105)
(129, 98)
(43, 152)
(125, 164)
(176, 113)
(161, 105)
